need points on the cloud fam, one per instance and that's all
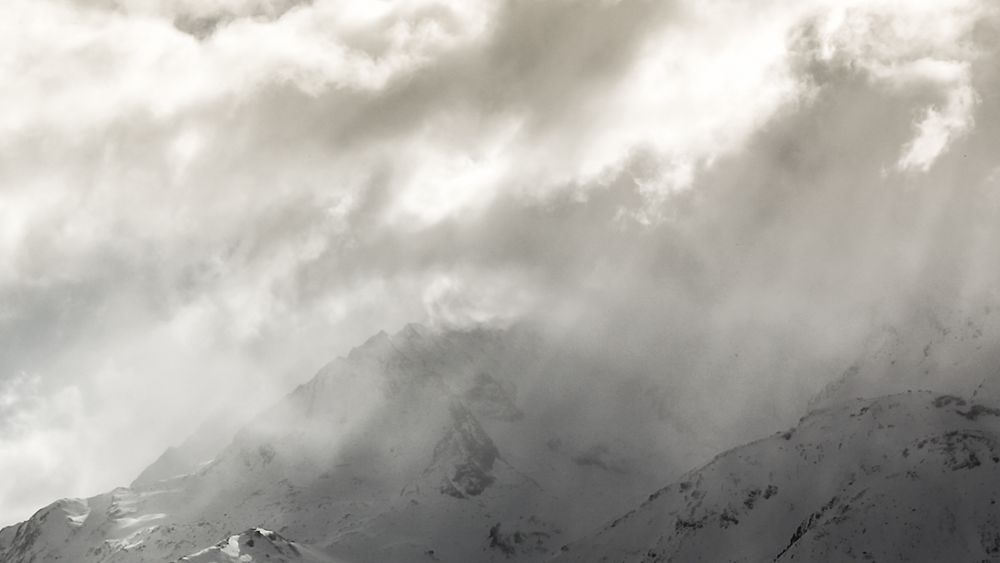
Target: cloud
(925, 47)
(197, 197)
(36, 431)
(937, 129)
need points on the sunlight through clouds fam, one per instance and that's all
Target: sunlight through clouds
(204, 195)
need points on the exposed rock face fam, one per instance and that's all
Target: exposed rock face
(489, 399)
(466, 455)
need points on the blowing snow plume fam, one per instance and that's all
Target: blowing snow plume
(597, 242)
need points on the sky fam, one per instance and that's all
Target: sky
(203, 201)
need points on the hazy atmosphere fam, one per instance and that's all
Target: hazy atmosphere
(202, 202)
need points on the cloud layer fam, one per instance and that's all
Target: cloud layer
(201, 202)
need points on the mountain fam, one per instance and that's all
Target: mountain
(906, 477)
(450, 445)
(257, 545)
(502, 445)
(951, 351)
(197, 450)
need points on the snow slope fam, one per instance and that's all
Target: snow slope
(906, 477)
(257, 545)
(423, 445)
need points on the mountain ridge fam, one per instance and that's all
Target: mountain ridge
(424, 436)
(811, 493)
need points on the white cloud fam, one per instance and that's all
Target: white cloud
(908, 46)
(938, 128)
(200, 194)
(38, 436)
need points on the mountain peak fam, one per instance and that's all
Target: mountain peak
(256, 545)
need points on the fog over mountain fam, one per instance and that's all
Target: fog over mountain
(555, 254)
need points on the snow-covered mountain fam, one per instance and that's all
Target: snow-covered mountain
(502, 445)
(257, 545)
(946, 350)
(906, 477)
(424, 445)
(197, 450)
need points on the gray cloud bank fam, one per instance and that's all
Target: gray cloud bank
(202, 202)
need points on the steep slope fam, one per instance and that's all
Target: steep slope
(907, 477)
(423, 445)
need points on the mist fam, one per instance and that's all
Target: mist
(203, 203)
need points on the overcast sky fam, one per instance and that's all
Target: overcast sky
(202, 201)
